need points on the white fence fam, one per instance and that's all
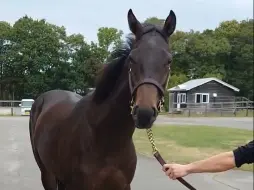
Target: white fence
(242, 108)
(10, 108)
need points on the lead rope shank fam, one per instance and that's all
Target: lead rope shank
(161, 160)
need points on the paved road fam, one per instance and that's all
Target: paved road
(232, 122)
(19, 171)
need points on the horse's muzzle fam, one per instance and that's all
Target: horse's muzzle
(144, 117)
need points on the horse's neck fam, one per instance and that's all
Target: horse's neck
(113, 116)
(121, 102)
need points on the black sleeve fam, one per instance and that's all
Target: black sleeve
(244, 154)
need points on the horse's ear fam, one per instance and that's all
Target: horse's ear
(134, 24)
(170, 24)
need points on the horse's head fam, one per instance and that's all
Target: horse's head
(149, 68)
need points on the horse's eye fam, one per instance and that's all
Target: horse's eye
(132, 60)
(168, 63)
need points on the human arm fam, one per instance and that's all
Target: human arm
(218, 163)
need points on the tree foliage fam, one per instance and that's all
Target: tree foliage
(36, 56)
(225, 53)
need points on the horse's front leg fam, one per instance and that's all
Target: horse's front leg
(60, 186)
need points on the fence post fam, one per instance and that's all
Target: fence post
(11, 111)
(221, 109)
(206, 110)
(247, 111)
(189, 112)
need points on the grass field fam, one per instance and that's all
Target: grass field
(184, 144)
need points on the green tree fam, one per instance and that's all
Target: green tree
(5, 46)
(239, 65)
(108, 38)
(175, 80)
(35, 54)
(155, 21)
(214, 75)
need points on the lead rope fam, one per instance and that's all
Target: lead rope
(161, 160)
(156, 153)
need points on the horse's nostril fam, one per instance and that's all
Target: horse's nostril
(144, 117)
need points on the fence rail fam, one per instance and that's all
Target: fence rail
(10, 107)
(239, 108)
(9, 103)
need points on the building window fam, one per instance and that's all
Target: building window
(181, 98)
(202, 98)
(198, 98)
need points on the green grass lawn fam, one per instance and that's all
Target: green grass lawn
(184, 144)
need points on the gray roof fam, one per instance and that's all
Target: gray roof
(198, 82)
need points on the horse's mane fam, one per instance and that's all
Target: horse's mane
(110, 73)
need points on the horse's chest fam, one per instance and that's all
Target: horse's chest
(125, 162)
(110, 171)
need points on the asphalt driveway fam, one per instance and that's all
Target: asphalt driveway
(18, 170)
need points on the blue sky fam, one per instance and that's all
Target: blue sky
(86, 16)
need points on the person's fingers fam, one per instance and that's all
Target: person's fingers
(171, 175)
(167, 171)
(170, 172)
(165, 167)
(173, 171)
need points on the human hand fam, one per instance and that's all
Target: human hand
(174, 171)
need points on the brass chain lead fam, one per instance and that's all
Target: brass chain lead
(149, 131)
(151, 139)
(132, 105)
(161, 104)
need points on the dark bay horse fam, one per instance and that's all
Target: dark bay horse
(85, 143)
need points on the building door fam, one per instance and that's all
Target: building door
(178, 101)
